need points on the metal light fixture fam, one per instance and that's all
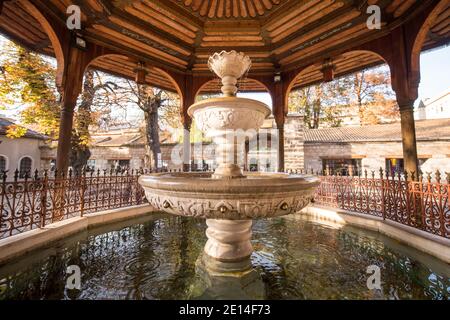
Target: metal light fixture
(80, 42)
(277, 77)
(141, 73)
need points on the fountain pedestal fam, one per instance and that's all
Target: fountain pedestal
(224, 269)
(229, 240)
(227, 280)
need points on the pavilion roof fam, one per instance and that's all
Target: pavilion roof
(125, 138)
(426, 130)
(31, 134)
(180, 35)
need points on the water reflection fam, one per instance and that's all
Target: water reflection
(155, 258)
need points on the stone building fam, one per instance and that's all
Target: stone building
(379, 146)
(294, 136)
(125, 148)
(336, 149)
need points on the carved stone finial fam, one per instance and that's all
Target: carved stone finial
(229, 66)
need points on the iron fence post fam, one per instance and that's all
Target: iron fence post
(383, 195)
(44, 199)
(82, 192)
(3, 194)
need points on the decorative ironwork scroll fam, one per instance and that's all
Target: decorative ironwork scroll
(36, 201)
(422, 204)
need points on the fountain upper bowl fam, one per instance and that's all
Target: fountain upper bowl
(229, 113)
(257, 195)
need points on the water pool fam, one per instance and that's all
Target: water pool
(154, 258)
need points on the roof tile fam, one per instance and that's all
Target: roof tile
(425, 130)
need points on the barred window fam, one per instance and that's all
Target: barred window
(25, 166)
(2, 164)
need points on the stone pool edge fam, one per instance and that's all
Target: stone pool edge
(436, 246)
(18, 245)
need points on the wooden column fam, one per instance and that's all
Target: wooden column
(405, 82)
(246, 151)
(73, 79)
(279, 114)
(281, 165)
(188, 100)
(409, 138)
(187, 147)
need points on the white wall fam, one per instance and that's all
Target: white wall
(436, 108)
(16, 149)
(439, 109)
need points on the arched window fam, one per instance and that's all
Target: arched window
(2, 164)
(25, 166)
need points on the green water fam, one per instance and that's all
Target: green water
(154, 258)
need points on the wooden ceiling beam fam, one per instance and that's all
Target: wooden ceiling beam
(317, 28)
(131, 42)
(181, 12)
(163, 40)
(131, 52)
(7, 30)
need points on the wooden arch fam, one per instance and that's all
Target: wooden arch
(343, 64)
(156, 77)
(54, 39)
(422, 35)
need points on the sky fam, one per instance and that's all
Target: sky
(435, 73)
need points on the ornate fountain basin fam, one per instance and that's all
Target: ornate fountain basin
(217, 116)
(257, 195)
(229, 121)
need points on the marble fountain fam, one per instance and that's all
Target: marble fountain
(229, 199)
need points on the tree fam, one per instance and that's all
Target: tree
(96, 98)
(370, 90)
(27, 83)
(317, 104)
(367, 91)
(160, 107)
(150, 100)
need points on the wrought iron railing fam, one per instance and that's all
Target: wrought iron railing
(422, 204)
(41, 199)
(44, 198)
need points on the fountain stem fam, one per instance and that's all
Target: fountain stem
(229, 88)
(229, 240)
(227, 153)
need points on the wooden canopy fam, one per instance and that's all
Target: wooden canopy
(180, 35)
